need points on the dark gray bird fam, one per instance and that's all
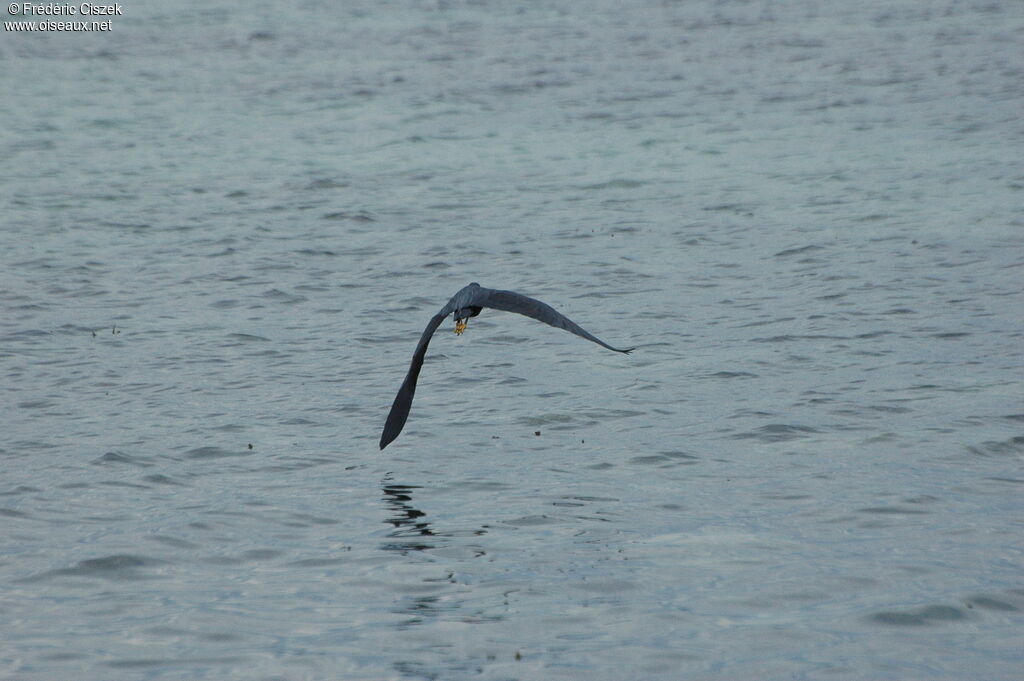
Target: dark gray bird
(467, 303)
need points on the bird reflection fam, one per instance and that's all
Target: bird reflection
(407, 520)
(408, 537)
(435, 593)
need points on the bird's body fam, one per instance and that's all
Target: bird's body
(468, 302)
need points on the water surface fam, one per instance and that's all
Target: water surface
(224, 229)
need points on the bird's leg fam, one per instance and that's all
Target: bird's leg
(460, 326)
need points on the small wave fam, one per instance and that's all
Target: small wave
(919, 617)
(776, 432)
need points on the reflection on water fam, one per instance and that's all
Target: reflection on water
(427, 593)
(407, 520)
(410, 527)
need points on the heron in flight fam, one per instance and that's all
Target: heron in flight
(468, 302)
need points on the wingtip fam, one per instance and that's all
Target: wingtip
(386, 438)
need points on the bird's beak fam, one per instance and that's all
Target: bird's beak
(460, 326)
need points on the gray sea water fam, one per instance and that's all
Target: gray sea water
(224, 226)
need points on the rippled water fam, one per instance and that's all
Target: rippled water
(224, 229)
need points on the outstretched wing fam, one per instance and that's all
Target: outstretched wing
(510, 301)
(403, 400)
